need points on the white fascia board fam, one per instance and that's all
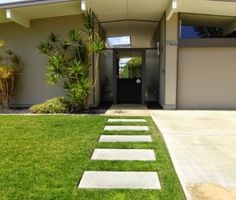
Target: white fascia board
(171, 9)
(21, 3)
(21, 20)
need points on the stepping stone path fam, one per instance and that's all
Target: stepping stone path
(126, 128)
(124, 154)
(127, 120)
(122, 179)
(125, 138)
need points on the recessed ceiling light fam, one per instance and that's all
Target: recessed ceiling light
(8, 14)
(83, 5)
(174, 4)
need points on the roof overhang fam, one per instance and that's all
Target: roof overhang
(22, 11)
(21, 3)
(23, 14)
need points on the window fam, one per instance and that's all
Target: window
(197, 31)
(130, 67)
(205, 26)
(119, 42)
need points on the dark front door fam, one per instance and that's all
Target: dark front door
(129, 77)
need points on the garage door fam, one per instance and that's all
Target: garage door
(207, 78)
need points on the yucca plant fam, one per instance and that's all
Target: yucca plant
(90, 19)
(68, 60)
(96, 46)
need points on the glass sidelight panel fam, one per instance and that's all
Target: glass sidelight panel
(106, 76)
(152, 76)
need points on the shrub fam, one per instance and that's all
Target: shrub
(9, 74)
(52, 106)
(70, 59)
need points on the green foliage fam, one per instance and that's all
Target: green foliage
(68, 61)
(206, 32)
(53, 106)
(97, 45)
(132, 69)
(79, 93)
(89, 22)
(213, 32)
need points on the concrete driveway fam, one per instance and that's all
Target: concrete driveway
(202, 145)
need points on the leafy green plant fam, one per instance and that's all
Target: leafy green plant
(9, 73)
(69, 60)
(96, 46)
(52, 106)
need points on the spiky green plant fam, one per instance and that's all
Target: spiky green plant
(89, 22)
(96, 46)
(69, 60)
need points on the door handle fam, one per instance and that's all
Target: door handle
(138, 81)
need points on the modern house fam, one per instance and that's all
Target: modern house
(185, 50)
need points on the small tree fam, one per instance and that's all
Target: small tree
(95, 44)
(9, 73)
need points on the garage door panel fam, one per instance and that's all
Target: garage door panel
(207, 78)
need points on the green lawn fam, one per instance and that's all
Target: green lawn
(43, 157)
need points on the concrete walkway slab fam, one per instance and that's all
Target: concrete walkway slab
(128, 110)
(125, 138)
(127, 120)
(202, 146)
(124, 154)
(126, 128)
(120, 180)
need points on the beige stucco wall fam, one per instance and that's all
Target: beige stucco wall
(33, 87)
(171, 57)
(207, 78)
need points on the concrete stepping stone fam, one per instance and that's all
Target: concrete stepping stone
(127, 120)
(125, 138)
(126, 128)
(120, 180)
(124, 154)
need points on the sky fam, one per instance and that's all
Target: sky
(123, 40)
(188, 32)
(10, 1)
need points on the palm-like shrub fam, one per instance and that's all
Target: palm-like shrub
(69, 60)
(9, 73)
